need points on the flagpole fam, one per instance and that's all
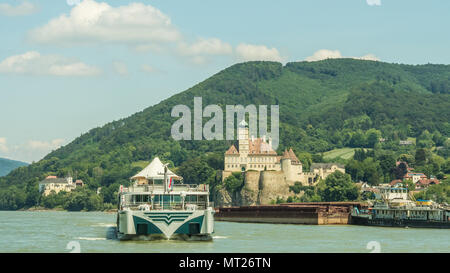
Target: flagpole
(165, 178)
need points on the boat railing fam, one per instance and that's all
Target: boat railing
(147, 206)
(176, 187)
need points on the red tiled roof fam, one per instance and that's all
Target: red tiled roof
(395, 182)
(232, 150)
(258, 146)
(286, 155)
(294, 158)
(426, 181)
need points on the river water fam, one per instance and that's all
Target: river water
(54, 232)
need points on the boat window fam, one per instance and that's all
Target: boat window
(141, 198)
(166, 201)
(158, 181)
(157, 198)
(176, 198)
(191, 198)
(202, 198)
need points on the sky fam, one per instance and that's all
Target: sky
(67, 66)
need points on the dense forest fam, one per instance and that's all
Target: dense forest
(324, 105)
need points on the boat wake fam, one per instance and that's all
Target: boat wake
(220, 237)
(90, 238)
(104, 225)
(111, 233)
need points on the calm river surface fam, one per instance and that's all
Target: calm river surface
(53, 231)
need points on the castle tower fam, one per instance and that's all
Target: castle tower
(243, 138)
(286, 164)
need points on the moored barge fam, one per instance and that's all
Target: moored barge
(399, 211)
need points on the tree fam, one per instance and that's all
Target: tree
(197, 171)
(358, 139)
(387, 165)
(400, 170)
(372, 171)
(360, 155)
(409, 184)
(406, 158)
(420, 157)
(339, 187)
(373, 137)
(233, 182)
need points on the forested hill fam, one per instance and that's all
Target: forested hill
(7, 165)
(323, 105)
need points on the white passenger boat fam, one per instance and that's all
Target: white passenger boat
(156, 207)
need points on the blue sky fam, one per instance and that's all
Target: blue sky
(67, 67)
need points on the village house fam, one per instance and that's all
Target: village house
(415, 177)
(426, 182)
(53, 184)
(396, 183)
(420, 180)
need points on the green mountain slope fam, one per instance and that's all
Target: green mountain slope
(7, 165)
(323, 105)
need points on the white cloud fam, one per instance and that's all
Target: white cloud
(33, 62)
(373, 2)
(32, 150)
(141, 27)
(120, 68)
(149, 69)
(247, 52)
(368, 57)
(93, 22)
(324, 54)
(211, 46)
(3, 146)
(201, 51)
(25, 8)
(45, 145)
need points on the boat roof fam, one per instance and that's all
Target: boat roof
(154, 170)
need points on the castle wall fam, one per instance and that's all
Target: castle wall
(252, 180)
(249, 194)
(273, 184)
(225, 174)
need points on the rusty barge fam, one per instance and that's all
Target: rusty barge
(311, 213)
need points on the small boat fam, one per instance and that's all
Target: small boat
(156, 207)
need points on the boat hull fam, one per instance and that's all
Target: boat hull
(163, 225)
(365, 221)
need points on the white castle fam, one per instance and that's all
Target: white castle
(257, 154)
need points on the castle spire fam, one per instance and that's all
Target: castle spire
(243, 124)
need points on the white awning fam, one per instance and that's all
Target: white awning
(155, 170)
